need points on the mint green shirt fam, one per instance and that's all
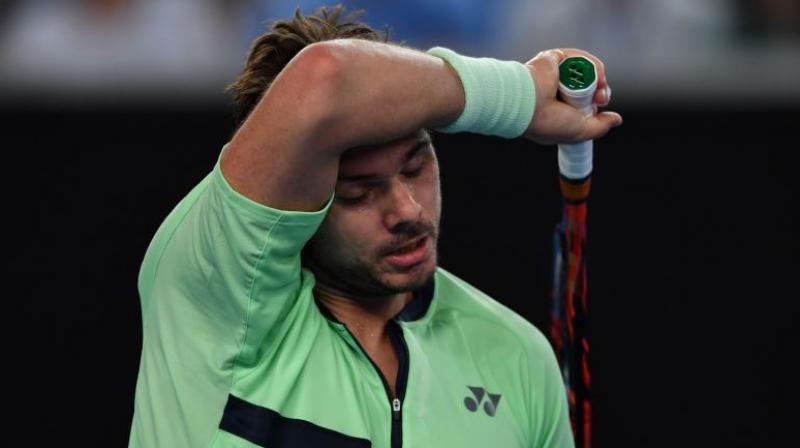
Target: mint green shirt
(237, 353)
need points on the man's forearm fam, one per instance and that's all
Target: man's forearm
(384, 91)
(366, 93)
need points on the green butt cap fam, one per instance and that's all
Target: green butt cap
(576, 73)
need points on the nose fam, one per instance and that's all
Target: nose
(402, 205)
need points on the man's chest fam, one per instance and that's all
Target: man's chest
(446, 399)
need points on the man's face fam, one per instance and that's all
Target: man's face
(387, 197)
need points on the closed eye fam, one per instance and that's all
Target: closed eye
(354, 200)
(413, 173)
(361, 198)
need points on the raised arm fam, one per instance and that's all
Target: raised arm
(340, 94)
(333, 96)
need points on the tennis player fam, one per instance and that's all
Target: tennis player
(293, 297)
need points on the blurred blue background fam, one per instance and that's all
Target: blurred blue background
(167, 50)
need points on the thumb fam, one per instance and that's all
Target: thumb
(599, 125)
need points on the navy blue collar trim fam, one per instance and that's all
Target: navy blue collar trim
(419, 305)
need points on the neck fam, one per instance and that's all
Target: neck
(365, 318)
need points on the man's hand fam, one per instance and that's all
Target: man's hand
(557, 122)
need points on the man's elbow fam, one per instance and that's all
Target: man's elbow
(318, 70)
(323, 61)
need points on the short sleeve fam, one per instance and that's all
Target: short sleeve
(227, 255)
(220, 274)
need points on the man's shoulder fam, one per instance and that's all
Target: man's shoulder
(464, 305)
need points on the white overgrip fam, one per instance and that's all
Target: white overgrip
(575, 160)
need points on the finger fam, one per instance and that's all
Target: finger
(599, 97)
(602, 96)
(554, 56)
(599, 125)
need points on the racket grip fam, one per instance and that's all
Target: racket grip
(575, 160)
(577, 84)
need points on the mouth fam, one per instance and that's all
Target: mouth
(408, 247)
(410, 254)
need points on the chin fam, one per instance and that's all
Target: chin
(413, 277)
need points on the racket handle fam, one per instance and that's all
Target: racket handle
(577, 84)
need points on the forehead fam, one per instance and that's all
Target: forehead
(381, 158)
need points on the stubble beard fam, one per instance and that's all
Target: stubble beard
(370, 280)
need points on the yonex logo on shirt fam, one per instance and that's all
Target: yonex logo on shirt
(490, 407)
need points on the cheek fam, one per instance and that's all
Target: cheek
(350, 231)
(430, 193)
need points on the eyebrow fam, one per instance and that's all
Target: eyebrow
(421, 144)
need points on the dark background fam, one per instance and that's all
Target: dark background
(692, 243)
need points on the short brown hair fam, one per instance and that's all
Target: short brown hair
(274, 49)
